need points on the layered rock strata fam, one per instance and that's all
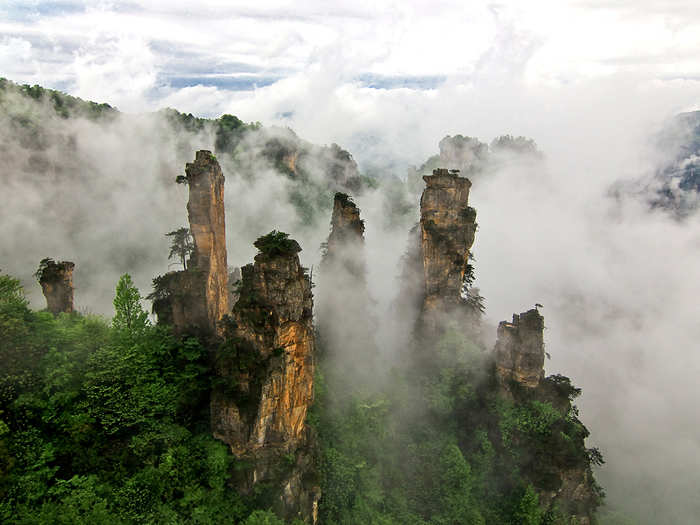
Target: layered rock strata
(56, 280)
(448, 226)
(199, 297)
(519, 350)
(264, 385)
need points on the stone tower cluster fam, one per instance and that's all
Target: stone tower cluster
(262, 346)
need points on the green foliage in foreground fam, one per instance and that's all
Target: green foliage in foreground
(107, 423)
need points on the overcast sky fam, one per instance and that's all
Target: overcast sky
(342, 71)
(141, 55)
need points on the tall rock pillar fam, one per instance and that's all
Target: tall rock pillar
(448, 226)
(56, 280)
(199, 296)
(344, 321)
(208, 226)
(265, 372)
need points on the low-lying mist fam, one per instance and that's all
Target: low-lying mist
(618, 280)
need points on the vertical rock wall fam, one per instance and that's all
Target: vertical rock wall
(199, 297)
(347, 229)
(345, 325)
(208, 226)
(264, 385)
(519, 350)
(448, 225)
(56, 280)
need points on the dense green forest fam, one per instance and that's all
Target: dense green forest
(106, 422)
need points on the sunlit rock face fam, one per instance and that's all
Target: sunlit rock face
(208, 226)
(519, 349)
(264, 385)
(448, 226)
(199, 296)
(56, 279)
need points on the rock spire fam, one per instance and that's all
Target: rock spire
(199, 297)
(265, 372)
(447, 229)
(519, 350)
(56, 280)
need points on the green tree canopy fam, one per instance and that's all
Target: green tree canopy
(128, 313)
(181, 245)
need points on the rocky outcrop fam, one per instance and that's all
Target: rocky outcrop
(448, 226)
(347, 235)
(56, 280)
(558, 465)
(199, 297)
(344, 322)
(519, 350)
(264, 385)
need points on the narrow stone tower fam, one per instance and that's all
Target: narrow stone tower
(208, 226)
(56, 280)
(447, 229)
(199, 296)
(345, 324)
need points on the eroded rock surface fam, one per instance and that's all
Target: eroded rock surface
(264, 385)
(519, 349)
(56, 280)
(448, 226)
(199, 296)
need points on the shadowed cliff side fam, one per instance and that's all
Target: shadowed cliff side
(56, 280)
(264, 380)
(199, 297)
(448, 226)
(345, 326)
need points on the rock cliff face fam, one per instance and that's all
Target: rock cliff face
(344, 322)
(448, 225)
(560, 472)
(519, 350)
(264, 384)
(56, 279)
(199, 297)
(347, 235)
(208, 226)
